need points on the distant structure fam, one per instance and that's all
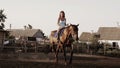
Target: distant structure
(2, 36)
(110, 35)
(85, 37)
(26, 33)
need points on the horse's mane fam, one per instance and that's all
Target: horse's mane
(72, 25)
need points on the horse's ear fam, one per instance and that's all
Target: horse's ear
(77, 24)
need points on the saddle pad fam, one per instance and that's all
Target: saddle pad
(61, 32)
(56, 34)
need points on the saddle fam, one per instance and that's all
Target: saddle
(60, 32)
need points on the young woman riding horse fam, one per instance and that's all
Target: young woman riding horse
(69, 35)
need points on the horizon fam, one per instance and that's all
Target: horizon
(89, 14)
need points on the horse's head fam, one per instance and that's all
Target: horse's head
(74, 31)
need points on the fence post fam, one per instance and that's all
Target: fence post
(25, 46)
(104, 49)
(35, 47)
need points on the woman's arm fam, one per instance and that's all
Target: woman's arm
(58, 21)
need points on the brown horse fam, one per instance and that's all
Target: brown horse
(70, 34)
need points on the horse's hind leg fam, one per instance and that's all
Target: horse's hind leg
(71, 55)
(54, 48)
(56, 54)
(64, 49)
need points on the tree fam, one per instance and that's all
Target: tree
(2, 19)
(95, 43)
(29, 26)
(25, 27)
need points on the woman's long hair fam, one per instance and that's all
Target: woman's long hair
(63, 17)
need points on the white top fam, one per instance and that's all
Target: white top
(62, 23)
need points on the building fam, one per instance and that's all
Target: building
(85, 37)
(2, 36)
(110, 35)
(27, 33)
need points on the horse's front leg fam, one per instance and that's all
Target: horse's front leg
(64, 49)
(56, 54)
(71, 55)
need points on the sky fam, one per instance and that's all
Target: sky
(43, 14)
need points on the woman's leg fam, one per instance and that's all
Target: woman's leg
(58, 37)
(58, 34)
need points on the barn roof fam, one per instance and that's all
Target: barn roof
(25, 32)
(109, 33)
(85, 36)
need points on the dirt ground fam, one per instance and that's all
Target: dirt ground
(41, 60)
